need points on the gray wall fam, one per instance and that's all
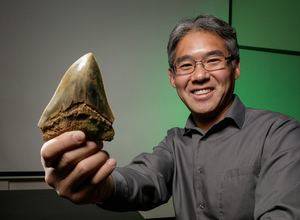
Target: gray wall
(39, 40)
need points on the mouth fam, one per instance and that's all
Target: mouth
(202, 91)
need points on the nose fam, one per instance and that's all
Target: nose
(200, 74)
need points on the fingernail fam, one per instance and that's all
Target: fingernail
(112, 162)
(78, 136)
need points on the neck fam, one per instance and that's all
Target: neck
(206, 121)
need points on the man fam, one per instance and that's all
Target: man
(229, 162)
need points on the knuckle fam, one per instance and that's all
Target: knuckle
(82, 168)
(93, 146)
(49, 180)
(62, 193)
(49, 144)
(67, 158)
(76, 200)
(73, 197)
(45, 153)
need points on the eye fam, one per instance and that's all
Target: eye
(186, 64)
(213, 60)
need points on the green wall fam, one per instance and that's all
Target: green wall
(267, 23)
(270, 81)
(270, 66)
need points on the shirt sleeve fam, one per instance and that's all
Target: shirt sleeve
(145, 183)
(278, 187)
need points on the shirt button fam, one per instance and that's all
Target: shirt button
(201, 170)
(201, 206)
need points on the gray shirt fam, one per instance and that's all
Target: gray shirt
(247, 166)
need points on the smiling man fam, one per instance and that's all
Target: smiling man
(205, 89)
(228, 162)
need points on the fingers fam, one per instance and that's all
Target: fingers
(104, 171)
(78, 169)
(107, 154)
(57, 146)
(69, 159)
(84, 169)
(88, 173)
(91, 193)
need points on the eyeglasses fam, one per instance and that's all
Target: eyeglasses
(210, 63)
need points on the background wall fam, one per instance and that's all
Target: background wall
(40, 40)
(268, 34)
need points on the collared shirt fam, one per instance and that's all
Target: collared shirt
(247, 166)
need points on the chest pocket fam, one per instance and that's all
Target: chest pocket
(237, 193)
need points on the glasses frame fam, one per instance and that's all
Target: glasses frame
(230, 58)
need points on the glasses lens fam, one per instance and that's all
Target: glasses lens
(214, 62)
(185, 67)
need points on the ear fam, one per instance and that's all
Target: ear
(237, 70)
(171, 77)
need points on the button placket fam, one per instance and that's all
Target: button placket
(199, 159)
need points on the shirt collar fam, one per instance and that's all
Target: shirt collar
(236, 112)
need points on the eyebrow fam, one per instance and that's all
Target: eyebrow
(215, 52)
(210, 53)
(185, 57)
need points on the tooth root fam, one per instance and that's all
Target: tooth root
(79, 103)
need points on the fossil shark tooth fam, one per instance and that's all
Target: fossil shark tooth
(79, 103)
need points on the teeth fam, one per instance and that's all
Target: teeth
(203, 91)
(79, 103)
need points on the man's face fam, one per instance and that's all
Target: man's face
(207, 94)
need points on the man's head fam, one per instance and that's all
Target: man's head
(201, 55)
(204, 23)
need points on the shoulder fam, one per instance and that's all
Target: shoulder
(172, 135)
(277, 128)
(268, 117)
(174, 138)
(176, 131)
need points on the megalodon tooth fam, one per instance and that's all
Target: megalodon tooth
(79, 103)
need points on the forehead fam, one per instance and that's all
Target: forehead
(199, 44)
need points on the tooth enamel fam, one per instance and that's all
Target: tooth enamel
(203, 91)
(79, 103)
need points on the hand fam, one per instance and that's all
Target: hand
(78, 169)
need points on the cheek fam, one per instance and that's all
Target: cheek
(181, 82)
(226, 80)
(180, 86)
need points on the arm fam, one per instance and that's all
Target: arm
(278, 187)
(78, 169)
(144, 184)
